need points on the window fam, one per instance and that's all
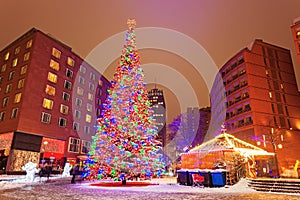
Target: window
(52, 77)
(98, 112)
(3, 68)
(5, 102)
(1, 79)
(2, 116)
(99, 91)
(92, 76)
(82, 69)
(69, 73)
(54, 65)
(8, 88)
(66, 97)
(56, 53)
(100, 83)
(70, 62)
(76, 126)
(47, 103)
(23, 69)
(21, 83)
(77, 114)
(74, 144)
(64, 109)
(18, 98)
(46, 118)
(79, 91)
(78, 102)
(6, 56)
(17, 50)
(91, 86)
(14, 113)
(62, 122)
(89, 107)
(15, 62)
(81, 80)
(90, 97)
(88, 118)
(29, 44)
(68, 85)
(99, 102)
(26, 56)
(11, 75)
(50, 90)
(85, 146)
(86, 129)
(298, 34)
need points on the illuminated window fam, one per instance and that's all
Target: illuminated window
(54, 65)
(91, 86)
(68, 85)
(2, 116)
(86, 129)
(81, 80)
(52, 77)
(69, 73)
(82, 69)
(66, 97)
(17, 50)
(47, 103)
(6, 56)
(75, 126)
(56, 53)
(46, 118)
(18, 97)
(79, 91)
(298, 34)
(90, 96)
(11, 75)
(26, 56)
(78, 102)
(14, 113)
(92, 76)
(270, 94)
(8, 88)
(15, 62)
(64, 109)
(29, 44)
(70, 62)
(100, 83)
(74, 145)
(62, 122)
(88, 118)
(23, 69)
(21, 83)
(85, 146)
(89, 107)
(77, 114)
(50, 90)
(3, 68)
(5, 102)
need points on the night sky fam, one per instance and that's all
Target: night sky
(221, 27)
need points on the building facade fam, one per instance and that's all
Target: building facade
(258, 102)
(296, 35)
(49, 101)
(157, 102)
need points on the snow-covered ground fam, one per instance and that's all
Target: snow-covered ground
(15, 187)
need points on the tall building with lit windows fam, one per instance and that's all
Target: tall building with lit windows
(49, 102)
(255, 96)
(157, 101)
(296, 36)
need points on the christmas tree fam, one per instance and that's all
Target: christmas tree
(124, 143)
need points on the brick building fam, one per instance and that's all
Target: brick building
(49, 101)
(296, 36)
(256, 97)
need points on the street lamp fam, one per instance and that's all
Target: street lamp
(45, 144)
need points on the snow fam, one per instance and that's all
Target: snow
(58, 187)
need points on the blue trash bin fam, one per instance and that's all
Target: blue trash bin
(218, 179)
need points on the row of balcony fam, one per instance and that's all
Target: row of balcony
(238, 111)
(237, 99)
(241, 73)
(233, 66)
(236, 87)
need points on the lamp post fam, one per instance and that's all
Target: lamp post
(45, 144)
